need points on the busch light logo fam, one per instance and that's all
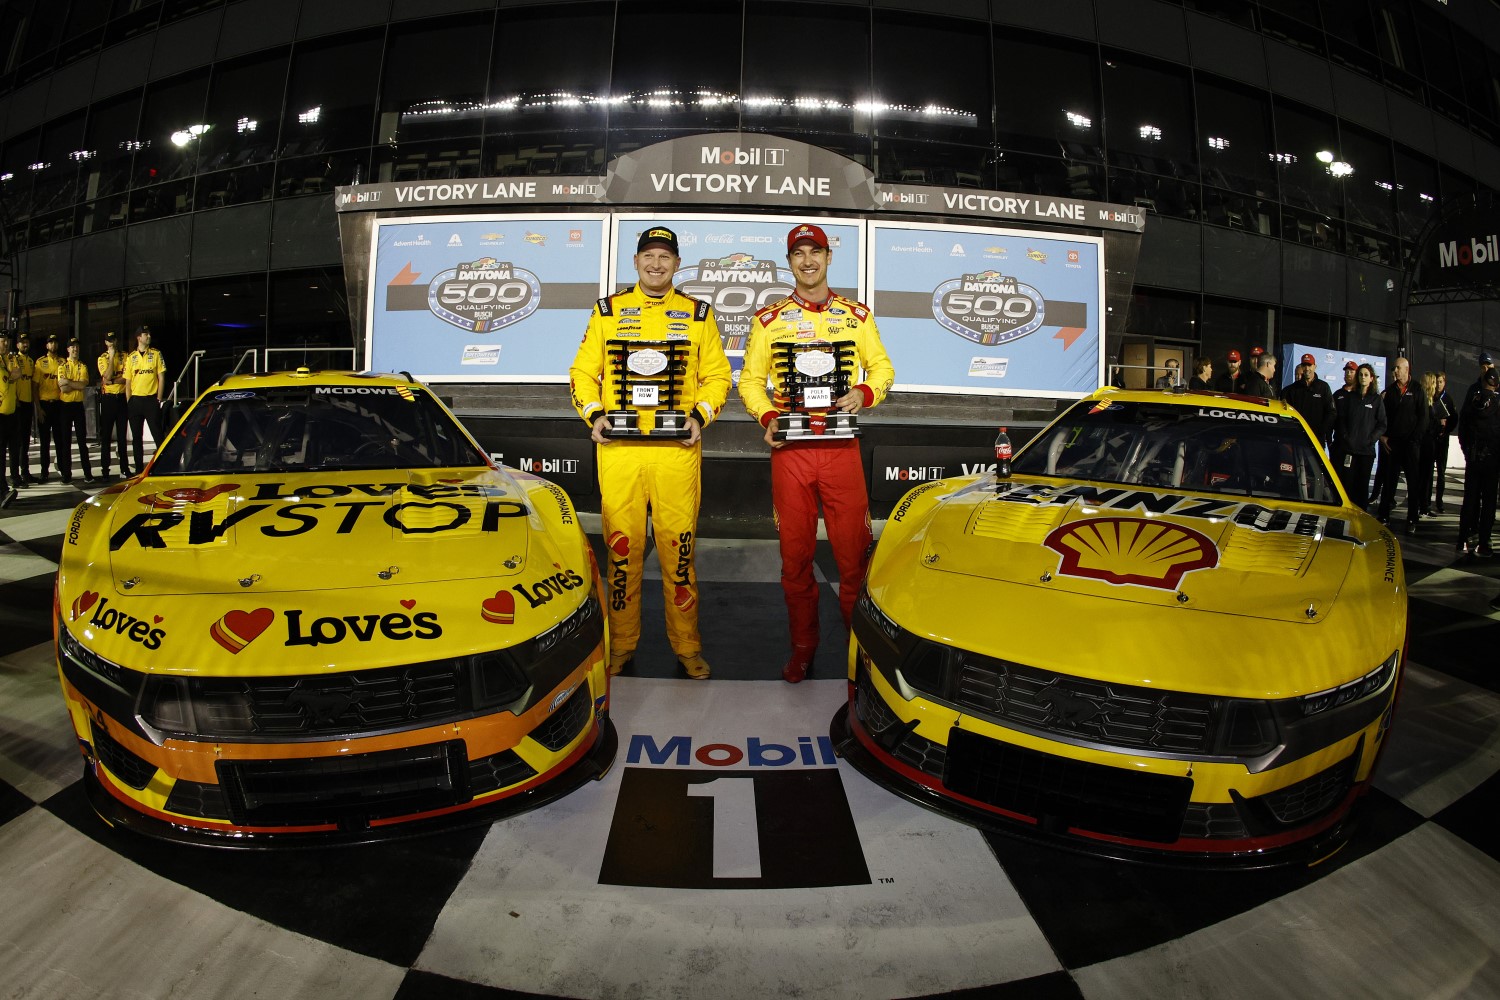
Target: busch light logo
(737, 285)
(484, 295)
(988, 308)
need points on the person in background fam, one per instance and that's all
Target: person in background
(1172, 377)
(1480, 418)
(1259, 379)
(49, 403)
(1225, 382)
(1361, 424)
(72, 380)
(25, 415)
(1203, 374)
(10, 374)
(1485, 364)
(1406, 413)
(1335, 449)
(145, 381)
(112, 417)
(1312, 398)
(1449, 425)
(1427, 449)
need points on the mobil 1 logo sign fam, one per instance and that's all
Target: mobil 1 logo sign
(748, 814)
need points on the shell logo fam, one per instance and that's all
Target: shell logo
(1131, 551)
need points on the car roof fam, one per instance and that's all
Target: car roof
(309, 376)
(1195, 397)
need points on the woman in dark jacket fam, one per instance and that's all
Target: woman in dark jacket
(1446, 430)
(1427, 454)
(1360, 423)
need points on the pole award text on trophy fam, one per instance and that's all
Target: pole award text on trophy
(647, 375)
(812, 378)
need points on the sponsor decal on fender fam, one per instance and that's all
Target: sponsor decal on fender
(1131, 551)
(500, 609)
(137, 630)
(539, 592)
(179, 498)
(331, 630)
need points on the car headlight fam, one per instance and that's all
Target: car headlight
(882, 621)
(76, 652)
(1322, 701)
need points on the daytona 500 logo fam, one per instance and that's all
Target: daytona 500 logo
(988, 308)
(484, 295)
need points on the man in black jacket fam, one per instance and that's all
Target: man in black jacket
(1406, 413)
(1257, 380)
(1481, 419)
(1311, 397)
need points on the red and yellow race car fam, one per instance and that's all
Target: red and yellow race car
(322, 614)
(1167, 633)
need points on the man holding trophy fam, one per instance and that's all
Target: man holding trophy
(811, 347)
(650, 375)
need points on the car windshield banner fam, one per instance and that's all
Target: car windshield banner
(989, 311)
(499, 298)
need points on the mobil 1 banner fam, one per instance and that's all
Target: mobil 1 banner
(568, 462)
(894, 469)
(991, 311)
(737, 264)
(483, 298)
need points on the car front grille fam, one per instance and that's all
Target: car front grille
(558, 730)
(134, 771)
(345, 789)
(1312, 796)
(1096, 712)
(194, 798)
(499, 770)
(915, 751)
(1060, 793)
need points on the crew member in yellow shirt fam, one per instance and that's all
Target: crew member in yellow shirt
(112, 403)
(72, 380)
(48, 404)
(10, 374)
(145, 381)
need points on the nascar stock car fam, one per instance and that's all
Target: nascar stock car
(1167, 634)
(322, 614)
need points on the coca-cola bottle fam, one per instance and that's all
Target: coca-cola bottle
(1002, 454)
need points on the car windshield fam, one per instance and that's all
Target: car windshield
(1182, 446)
(315, 427)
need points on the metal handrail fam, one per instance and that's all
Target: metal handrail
(252, 354)
(192, 362)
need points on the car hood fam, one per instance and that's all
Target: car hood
(313, 531)
(1222, 555)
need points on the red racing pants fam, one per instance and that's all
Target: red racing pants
(802, 476)
(664, 477)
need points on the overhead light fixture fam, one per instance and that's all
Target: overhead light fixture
(1215, 142)
(1150, 133)
(1339, 168)
(310, 116)
(1325, 156)
(1079, 121)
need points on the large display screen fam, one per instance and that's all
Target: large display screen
(1001, 311)
(483, 299)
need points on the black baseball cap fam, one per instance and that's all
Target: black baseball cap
(659, 236)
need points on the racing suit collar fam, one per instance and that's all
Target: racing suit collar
(809, 304)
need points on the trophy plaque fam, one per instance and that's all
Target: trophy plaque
(812, 376)
(648, 375)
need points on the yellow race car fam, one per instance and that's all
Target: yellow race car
(1165, 633)
(322, 614)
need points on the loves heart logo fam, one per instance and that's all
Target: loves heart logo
(83, 602)
(618, 543)
(180, 497)
(237, 629)
(408, 605)
(684, 598)
(500, 609)
(156, 619)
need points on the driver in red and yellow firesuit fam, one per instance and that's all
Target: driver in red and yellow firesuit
(639, 473)
(807, 472)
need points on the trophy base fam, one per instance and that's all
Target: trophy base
(670, 425)
(798, 426)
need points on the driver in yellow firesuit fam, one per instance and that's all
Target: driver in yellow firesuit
(641, 472)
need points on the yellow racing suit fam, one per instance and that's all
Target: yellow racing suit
(662, 474)
(809, 473)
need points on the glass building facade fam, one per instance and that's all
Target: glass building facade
(173, 162)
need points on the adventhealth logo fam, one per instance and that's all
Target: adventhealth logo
(678, 751)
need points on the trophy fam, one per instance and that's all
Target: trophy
(811, 377)
(648, 374)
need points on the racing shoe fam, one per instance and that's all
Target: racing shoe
(9, 498)
(619, 661)
(799, 664)
(1484, 551)
(696, 666)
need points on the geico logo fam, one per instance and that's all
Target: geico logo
(112, 620)
(549, 587)
(290, 520)
(617, 583)
(683, 575)
(678, 751)
(330, 630)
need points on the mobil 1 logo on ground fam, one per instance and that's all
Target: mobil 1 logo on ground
(749, 814)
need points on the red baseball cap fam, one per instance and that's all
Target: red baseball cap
(1307, 359)
(1234, 355)
(1350, 366)
(1256, 352)
(806, 233)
